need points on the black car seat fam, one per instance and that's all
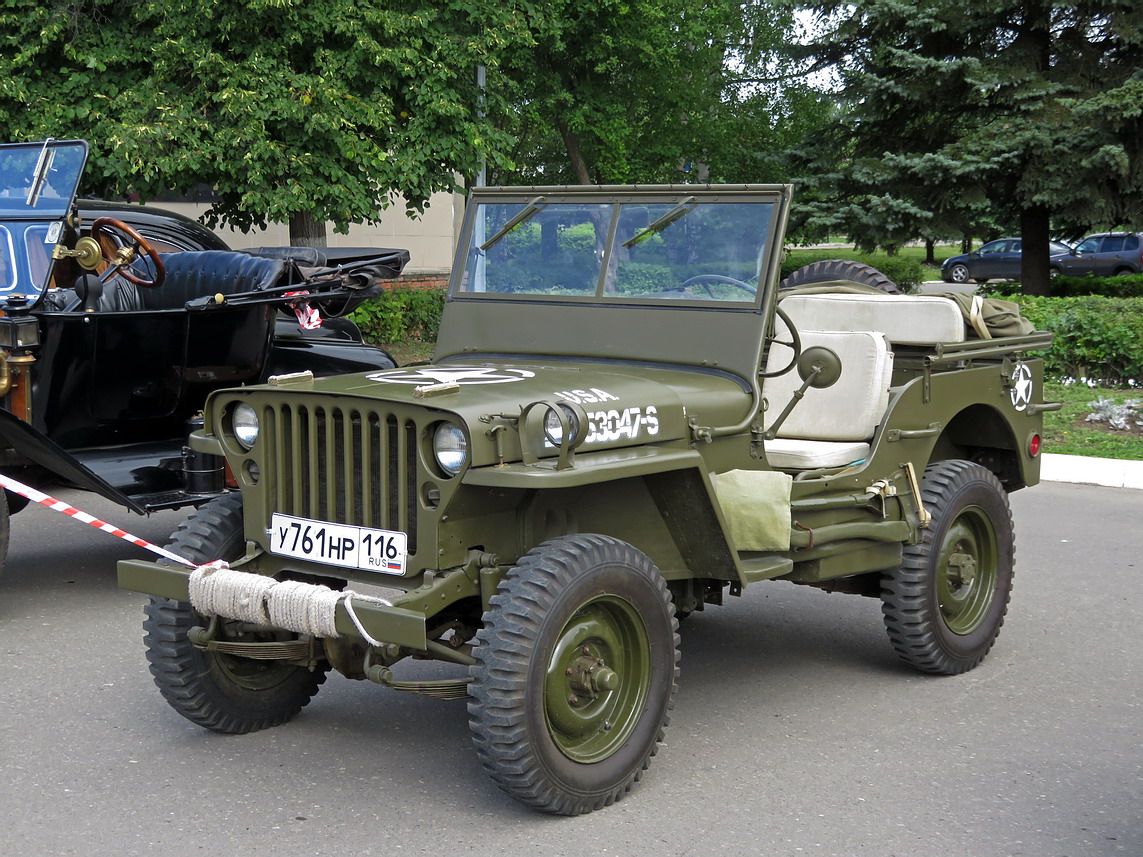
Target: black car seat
(191, 275)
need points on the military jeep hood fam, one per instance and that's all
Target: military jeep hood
(624, 404)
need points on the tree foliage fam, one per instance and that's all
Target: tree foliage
(955, 111)
(616, 91)
(290, 109)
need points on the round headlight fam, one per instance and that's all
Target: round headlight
(245, 423)
(450, 448)
(553, 431)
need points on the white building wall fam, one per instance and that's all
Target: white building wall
(430, 239)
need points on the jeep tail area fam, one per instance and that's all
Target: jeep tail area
(626, 419)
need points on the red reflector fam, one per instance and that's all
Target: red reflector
(1034, 446)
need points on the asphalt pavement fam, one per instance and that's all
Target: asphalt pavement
(796, 731)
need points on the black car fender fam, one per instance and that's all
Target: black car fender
(39, 449)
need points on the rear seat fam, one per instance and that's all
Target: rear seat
(904, 319)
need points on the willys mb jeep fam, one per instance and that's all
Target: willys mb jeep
(108, 348)
(626, 420)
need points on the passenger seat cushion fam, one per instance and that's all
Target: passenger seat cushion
(851, 409)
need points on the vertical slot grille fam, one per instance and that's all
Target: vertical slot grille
(346, 465)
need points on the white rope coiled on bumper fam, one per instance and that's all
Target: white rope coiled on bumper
(216, 589)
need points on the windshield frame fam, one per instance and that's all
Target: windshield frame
(700, 335)
(38, 187)
(677, 203)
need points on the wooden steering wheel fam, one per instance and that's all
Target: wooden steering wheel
(122, 248)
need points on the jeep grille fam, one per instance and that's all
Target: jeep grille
(349, 465)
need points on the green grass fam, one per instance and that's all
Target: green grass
(812, 254)
(1066, 432)
(410, 351)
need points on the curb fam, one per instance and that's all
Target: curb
(1109, 472)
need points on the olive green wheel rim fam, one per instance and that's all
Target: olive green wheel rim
(967, 571)
(597, 679)
(248, 673)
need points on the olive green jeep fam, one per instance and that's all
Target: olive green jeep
(626, 420)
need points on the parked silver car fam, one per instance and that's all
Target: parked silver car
(1105, 254)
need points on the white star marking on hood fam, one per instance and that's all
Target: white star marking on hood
(442, 375)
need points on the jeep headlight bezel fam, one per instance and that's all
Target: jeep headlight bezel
(450, 448)
(245, 425)
(554, 429)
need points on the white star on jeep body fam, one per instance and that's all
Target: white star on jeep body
(442, 375)
(1021, 387)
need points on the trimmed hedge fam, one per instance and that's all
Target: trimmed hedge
(1097, 338)
(906, 273)
(1112, 287)
(401, 313)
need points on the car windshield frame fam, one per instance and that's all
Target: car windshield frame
(38, 185)
(679, 245)
(664, 327)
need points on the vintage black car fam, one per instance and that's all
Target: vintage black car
(109, 347)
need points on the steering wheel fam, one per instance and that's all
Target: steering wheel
(795, 345)
(121, 248)
(707, 279)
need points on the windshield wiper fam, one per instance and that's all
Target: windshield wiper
(683, 208)
(40, 173)
(526, 213)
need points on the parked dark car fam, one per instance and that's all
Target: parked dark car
(996, 260)
(1105, 254)
(109, 346)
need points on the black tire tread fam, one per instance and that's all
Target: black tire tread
(504, 648)
(828, 270)
(905, 604)
(176, 665)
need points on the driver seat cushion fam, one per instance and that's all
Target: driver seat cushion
(195, 274)
(831, 427)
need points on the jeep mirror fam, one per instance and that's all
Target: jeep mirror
(819, 366)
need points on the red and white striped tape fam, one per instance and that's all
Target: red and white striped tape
(72, 512)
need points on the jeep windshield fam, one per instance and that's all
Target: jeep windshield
(682, 244)
(38, 183)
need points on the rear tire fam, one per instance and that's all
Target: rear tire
(944, 605)
(221, 692)
(829, 270)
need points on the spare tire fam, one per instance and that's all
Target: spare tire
(832, 270)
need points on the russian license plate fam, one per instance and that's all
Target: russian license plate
(338, 544)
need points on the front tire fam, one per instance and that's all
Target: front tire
(220, 692)
(575, 674)
(944, 605)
